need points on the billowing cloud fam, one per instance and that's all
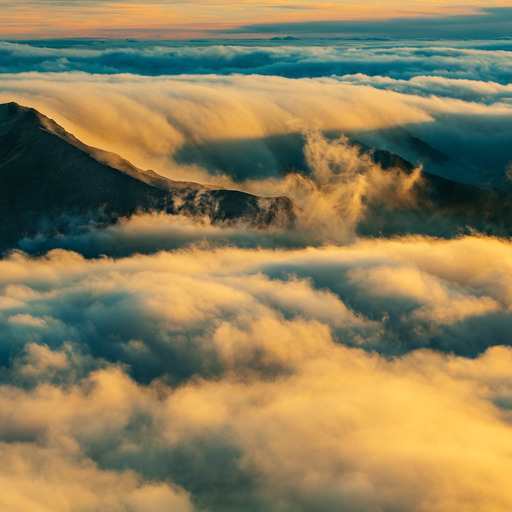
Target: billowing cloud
(43, 478)
(158, 381)
(388, 296)
(147, 119)
(196, 108)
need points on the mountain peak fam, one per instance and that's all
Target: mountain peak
(11, 108)
(47, 175)
(13, 112)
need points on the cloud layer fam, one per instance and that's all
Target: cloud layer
(454, 128)
(229, 378)
(477, 60)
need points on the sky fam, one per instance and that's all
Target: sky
(31, 19)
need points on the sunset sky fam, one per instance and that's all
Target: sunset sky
(213, 18)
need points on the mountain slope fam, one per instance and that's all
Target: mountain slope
(47, 176)
(441, 207)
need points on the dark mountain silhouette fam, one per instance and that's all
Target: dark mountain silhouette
(48, 177)
(440, 207)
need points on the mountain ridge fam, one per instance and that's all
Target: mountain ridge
(46, 172)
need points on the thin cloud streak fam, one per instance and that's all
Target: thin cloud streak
(491, 22)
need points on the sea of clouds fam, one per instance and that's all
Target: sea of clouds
(371, 376)
(165, 363)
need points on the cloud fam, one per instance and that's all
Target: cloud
(441, 304)
(197, 108)
(48, 478)
(336, 431)
(153, 232)
(341, 189)
(211, 18)
(475, 91)
(394, 302)
(489, 23)
(216, 118)
(342, 192)
(374, 374)
(476, 60)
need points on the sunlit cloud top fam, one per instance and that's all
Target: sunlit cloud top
(216, 18)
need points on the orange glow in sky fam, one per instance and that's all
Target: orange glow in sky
(197, 18)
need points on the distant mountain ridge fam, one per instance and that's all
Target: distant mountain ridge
(440, 206)
(48, 175)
